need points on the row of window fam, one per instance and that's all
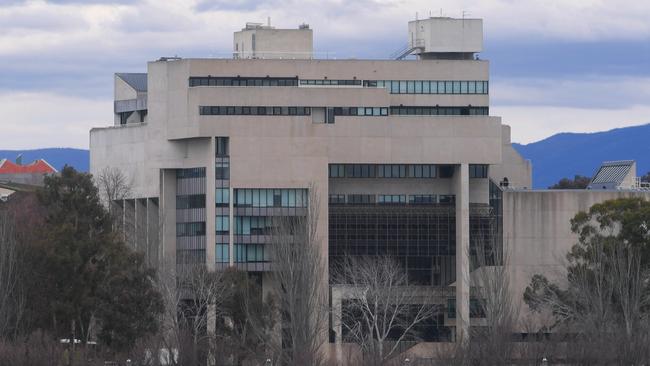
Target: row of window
(241, 81)
(393, 86)
(329, 82)
(253, 111)
(190, 173)
(190, 229)
(390, 171)
(417, 199)
(253, 225)
(439, 111)
(251, 253)
(292, 197)
(187, 201)
(429, 86)
(343, 111)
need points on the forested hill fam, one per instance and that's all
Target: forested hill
(568, 154)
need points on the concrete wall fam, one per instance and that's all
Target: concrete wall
(537, 233)
(267, 43)
(518, 170)
(447, 34)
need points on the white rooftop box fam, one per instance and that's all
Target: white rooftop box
(446, 35)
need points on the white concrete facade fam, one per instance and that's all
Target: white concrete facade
(289, 151)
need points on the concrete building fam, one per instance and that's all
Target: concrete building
(406, 160)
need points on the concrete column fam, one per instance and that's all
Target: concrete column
(231, 223)
(461, 190)
(210, 208)
(337, 315)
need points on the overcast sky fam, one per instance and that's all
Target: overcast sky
(556, 65)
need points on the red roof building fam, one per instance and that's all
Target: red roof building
(37, 166)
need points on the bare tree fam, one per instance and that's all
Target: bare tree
(492, 342)
(381, 311)
(193, 299)
(299, 283)
(114, 188)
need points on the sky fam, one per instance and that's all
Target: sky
(556, 65)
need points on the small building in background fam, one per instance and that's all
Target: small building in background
(30, 174)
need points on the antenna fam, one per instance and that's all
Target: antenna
(268, 20)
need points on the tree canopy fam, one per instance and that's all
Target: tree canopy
(607, 277)
(578, 182)
(79, 276)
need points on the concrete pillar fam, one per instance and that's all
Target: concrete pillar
(461, 190)
(337, 315)
(231, 223)
(210, 208)
(168, 216)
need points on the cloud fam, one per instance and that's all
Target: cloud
(533, 122)
(590, 92)
(546, 53)
(34, 120)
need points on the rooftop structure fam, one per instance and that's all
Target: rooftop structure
(266, 42)
(615, 175)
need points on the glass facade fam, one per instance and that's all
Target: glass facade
(393, 86)
(257, 210)
(270, 197)
(222, 199)
(430, 86)
(190, 216)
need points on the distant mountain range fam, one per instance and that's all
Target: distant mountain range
(567, 154)
(57, 157)
(559, 156)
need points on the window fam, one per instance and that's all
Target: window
(223, 224)
(242, 81)
(434, 111)
(270, 197)
(222, 144)
(222, 253)
(190, 229)
(478, 171)
(423, 199)
(222, 197)
(222, 168)
(456, 87)
(391, 199)
(190, 173)
(190, 201)
(336, 199)
(446, 171)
